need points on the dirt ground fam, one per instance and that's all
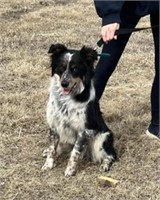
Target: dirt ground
(27, 29)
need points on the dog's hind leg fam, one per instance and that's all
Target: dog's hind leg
(75, 154)
(50, 153)
(103, 150)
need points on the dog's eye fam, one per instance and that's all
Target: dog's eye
(63, 67)
(74, 68)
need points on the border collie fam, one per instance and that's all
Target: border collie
(73, 113)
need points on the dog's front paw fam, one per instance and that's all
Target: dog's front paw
(105, 166)
(49, 164)
(70, 171)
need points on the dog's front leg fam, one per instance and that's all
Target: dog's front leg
(75, 154)
(50, 153)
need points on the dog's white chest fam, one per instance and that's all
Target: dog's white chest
(66, 119)
(65, 115)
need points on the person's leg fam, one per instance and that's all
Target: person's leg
(107, 65)
(154, 126)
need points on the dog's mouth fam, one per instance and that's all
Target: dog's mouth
(67, 91)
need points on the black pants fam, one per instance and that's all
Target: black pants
(106, 66)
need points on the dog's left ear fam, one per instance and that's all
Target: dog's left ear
(89, 54)
(57, 49)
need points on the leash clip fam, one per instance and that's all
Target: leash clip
(99, 44)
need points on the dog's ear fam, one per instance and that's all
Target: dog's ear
(57, 49)
(89, 54)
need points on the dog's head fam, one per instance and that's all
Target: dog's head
(74, 67)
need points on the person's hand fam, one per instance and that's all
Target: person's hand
(108, 32)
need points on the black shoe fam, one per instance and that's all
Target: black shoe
(153, 131)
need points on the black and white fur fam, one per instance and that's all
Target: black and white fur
(73, 113)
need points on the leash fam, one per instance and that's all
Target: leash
(122, 32)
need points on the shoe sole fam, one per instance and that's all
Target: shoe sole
(151, 135)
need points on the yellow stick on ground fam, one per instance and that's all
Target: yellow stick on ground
(107, 181)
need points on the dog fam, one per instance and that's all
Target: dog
(73, 114)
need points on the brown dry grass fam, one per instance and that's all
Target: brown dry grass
(27, 30)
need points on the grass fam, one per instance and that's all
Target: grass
(28, 28)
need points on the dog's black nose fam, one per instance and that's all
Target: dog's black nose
(64, 84)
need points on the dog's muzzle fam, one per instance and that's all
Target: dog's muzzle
(66, 81)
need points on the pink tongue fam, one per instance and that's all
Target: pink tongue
(66, 91)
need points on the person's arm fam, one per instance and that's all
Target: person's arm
(109, 11)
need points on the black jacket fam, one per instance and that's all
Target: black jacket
(110, 11)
